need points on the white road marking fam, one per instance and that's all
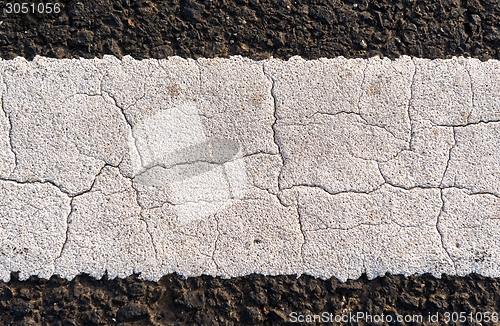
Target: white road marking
(330, 167)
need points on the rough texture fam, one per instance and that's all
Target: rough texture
(33, 224)
(351, 234)
(62, 130)
(105, 231)
(251, 300)
(229, 167)
(256, 29)
(260, 29)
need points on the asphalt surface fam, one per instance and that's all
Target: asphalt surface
(251, 300)
(256, 29)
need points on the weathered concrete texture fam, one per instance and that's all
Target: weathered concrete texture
(389, 229)
(106, 232)
(234, 93)
(475, 159)
(386, 93)
(331, 84)
(227, 167)
(485, 77)
(33, 227)
(423, 163)
(469, 224)
(63, 130)
(258, 235)
(442, 92)
(337, 153)
(7, 156)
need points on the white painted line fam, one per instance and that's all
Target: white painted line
(331, 167)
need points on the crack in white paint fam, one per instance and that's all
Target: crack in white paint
(72, 198)
(132, 143)
(282, 196)
(441, 234)
(304, 240)
(7, 116)
(412, 134)
(276, 118)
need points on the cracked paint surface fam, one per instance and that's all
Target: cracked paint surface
(33, 228)
(329, 167)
